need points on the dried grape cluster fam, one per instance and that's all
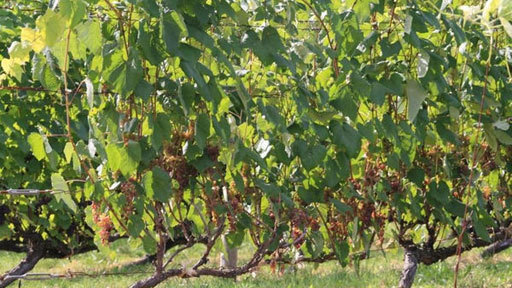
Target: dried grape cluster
(235, 209)
(338, 228)
(103, 221)
(175, 163)
(178, 169)
(298, 220)
(130, 192)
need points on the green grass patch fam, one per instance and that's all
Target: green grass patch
(378, 271)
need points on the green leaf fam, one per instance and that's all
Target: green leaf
(316, 245)
(314, 156)
(346, 104)
(322, 117)
(178, 20)
(342, 251)
(460, 37)
(149, 244)
(480, 229)
(342, 207)
(161, 131)
(270, 189)
(37, 145)
(332, 177)
(73, 10)
(456, 207)
(113, 156)
(173, 29)
(130, 158)
(415, 95)
(202, 163)
(272, 40)
(186, 95)
(503, 137)
(69, 151)
(157, 184)
(89, 34)
(490, 136)
(149, 42)
(61, 188)
(440, 192)
(310, 195)
(235, 238)
(48, 78)
(245, 155)
(135, 226)
(143, 90)
(346, 137)
(501, 124)
(202, 130)
(416, 175)
(126, 76)
(389, 49)
(5, 231)
(19, 52)
(191, 71)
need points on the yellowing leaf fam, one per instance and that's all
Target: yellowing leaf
(68, 152)
(224, 105)
(470, 12)
(34, 38)
(505, 10)
(37, 144)
(507, 26)
(12, 68)
(324, 77)
(19, 52)
(52, 26)
(490, 7)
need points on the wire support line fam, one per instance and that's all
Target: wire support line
(42, 89)
(30, 192)
(68, 275)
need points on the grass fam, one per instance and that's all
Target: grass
(379, 271)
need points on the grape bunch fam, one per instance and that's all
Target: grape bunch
(106, 226)
(103, 221)
(338, 228)
(129, 191)
(298, 219)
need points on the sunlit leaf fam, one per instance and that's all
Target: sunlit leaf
(415, 95)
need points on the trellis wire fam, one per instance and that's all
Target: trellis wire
(68, 275)
(42, 89)
(30, 192)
